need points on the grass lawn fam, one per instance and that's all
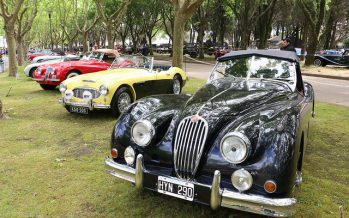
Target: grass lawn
(51, 163)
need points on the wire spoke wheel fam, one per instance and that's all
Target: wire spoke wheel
(124, 101)
(176, 86)
(318, 62)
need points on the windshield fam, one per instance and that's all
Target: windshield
(95, 56)
(257, 68)
(129, 61)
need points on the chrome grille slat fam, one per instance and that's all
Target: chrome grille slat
(195, 148)
(182, 147)
(189, 145)
(78, 92)
(185, 148)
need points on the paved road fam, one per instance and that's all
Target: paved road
(333, 91)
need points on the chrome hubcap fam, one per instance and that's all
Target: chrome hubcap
(124, 101)
(317, 62)
(176, 86)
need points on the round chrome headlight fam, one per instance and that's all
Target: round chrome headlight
(103, 89)
(241, 180)
(69, 94)
(62, 87)
(235, 147)
(142, 132)
(129, 155)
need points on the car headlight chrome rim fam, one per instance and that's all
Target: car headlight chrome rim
(142, 132)
(129, 155)
(62, 87)
(235, 147)
(103, 89)
(242, 180)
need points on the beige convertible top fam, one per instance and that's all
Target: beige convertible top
(108, 51)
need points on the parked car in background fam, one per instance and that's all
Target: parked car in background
(164, 48)
(29, 69)
(220, 52)
(238, 142)
(40, 53)
(52, 57)
(128, 78)
(341, 59)
(51, 75)
(329, 51)
(191, 49)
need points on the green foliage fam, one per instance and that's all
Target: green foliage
(346, 43)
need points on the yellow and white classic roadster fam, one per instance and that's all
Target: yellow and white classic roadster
(128, 79)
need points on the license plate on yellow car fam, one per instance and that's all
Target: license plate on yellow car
(79, 110)
(176, 188)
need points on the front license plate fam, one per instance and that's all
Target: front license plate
(80, 110)
(176, 188)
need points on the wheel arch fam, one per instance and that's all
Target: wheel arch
(133, 92)
(72, 70)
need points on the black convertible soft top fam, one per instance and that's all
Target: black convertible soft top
(277, 54)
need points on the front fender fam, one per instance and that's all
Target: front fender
(272, 154)
(159, 110)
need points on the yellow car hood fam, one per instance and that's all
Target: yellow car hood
(106, 77)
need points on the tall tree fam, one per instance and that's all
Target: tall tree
(183, 9)
(9, 13)
(314, 11)
(151, 19)
(248, 13)
(25, 21)
(167, 18)
(84, 24)
(265, 20)
(200, 22)
(111, 16)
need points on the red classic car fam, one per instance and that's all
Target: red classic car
(220, 52)
(51, 75)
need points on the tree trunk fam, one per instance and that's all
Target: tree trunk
(178, 36)
(110, 35)
(84, 42)
(20, 50)
(311, 50)
(150, 43)
(11, 46)
(200, 40)
(333, 37)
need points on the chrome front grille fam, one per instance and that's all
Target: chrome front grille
(189, 145)
(78, 93)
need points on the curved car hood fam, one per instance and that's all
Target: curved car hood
(108, 77)
(70, 63)
(229, 97)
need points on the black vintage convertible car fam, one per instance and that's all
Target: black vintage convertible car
(238, 142)
(341, 59)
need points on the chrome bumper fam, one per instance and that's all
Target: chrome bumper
(276, 207)
(47, 79)
(91, 105)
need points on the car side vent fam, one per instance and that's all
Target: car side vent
(189, 146)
